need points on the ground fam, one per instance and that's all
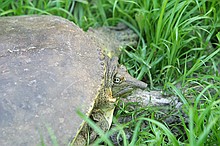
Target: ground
(177, 54)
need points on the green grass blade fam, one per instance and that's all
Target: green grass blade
(165, 129)
(96, 128)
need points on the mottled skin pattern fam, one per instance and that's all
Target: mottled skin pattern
(102, 112)
(49, 69)
(117, 81)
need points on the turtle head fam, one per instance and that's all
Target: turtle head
(124, 83)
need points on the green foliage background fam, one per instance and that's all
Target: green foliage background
(177, 52)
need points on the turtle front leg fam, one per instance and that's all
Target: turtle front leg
(82, 136)
(102, 115)
(99, 118)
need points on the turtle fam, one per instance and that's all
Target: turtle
(50, 68)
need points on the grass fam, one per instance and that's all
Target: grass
(178, 52)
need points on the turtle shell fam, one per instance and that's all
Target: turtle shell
(49, 68)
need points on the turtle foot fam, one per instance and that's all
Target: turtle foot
(115, 37)
(124, 35)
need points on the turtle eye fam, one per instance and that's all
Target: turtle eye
(117, 80)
